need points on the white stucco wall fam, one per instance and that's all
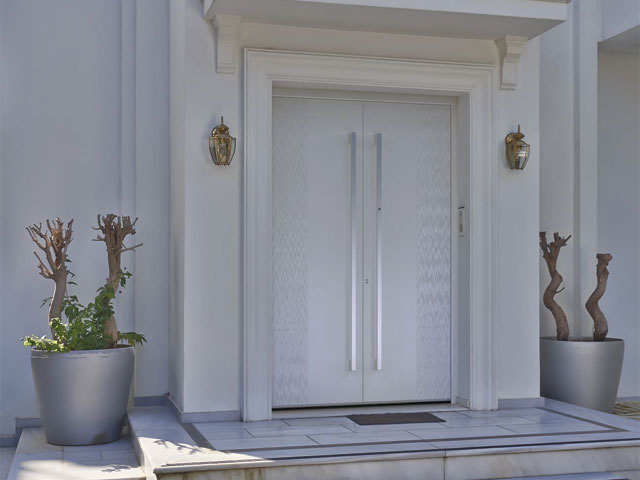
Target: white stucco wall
(557, 163)
(619, 203)
(80, 137)
(569, 143)
(206, 225)
(580, 93)
(618, 16)
(568, 91)
(85, 93)
(517, 318)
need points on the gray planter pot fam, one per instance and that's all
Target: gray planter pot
(82, 395)
(581, 371)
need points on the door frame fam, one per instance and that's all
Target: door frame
(358, 96)
(266, 69)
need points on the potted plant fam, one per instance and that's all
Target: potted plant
(579, 370)
(82, 374)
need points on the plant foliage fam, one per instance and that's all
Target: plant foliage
(85, 328)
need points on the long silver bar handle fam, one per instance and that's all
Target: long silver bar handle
(353, 344)
(378, 352)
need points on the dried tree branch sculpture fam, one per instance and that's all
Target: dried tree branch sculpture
(54, 242)
(550, 252)
(114, 230)
(599, 320)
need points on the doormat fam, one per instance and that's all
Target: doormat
(391, 418)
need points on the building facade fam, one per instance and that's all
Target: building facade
(260, 285)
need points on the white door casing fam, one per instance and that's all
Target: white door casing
(263, 70)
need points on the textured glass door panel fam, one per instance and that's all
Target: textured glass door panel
(407, 252)
(312, 274)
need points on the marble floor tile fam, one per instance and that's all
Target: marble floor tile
(6, 457)
(576, 438)
(493, 420)
(396, 426)
(210, 426)
(33, 460)
(125, 468)
(469, 432)
(117, 449)
(297, 430)
(593, 415)
(506, 412)
(267, 442)
(225, 434)
(214, 427)
(26, 467)
(548, 417)
(33, 441)
(555, 428)
(318, 421)
(345, 439)
(326, 451)
(449, 415)
(168, 438)
(154, 418)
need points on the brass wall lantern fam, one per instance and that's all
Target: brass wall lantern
(517, 150)
(222, 146)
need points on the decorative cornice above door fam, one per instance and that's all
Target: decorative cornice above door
(437, 18)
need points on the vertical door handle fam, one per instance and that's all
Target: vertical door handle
(354, 259)
(378, 326)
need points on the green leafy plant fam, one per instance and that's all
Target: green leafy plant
(89, 327)
(85, 329)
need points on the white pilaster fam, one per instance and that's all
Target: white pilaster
(586, 37)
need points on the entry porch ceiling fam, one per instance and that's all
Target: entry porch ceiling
(477, 19)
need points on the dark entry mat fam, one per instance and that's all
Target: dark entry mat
(391, 418)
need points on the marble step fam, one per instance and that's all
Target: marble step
(169, 450)
(35, 459)
(577, 476)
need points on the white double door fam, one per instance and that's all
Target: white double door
(361, 235)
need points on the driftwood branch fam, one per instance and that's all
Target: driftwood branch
(54, 241)
(550, 252)
(601, 327)
(115, 230)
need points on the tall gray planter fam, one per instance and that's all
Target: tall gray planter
(83, 395)
(581, 371)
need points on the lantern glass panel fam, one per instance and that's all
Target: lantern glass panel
(222, 149)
